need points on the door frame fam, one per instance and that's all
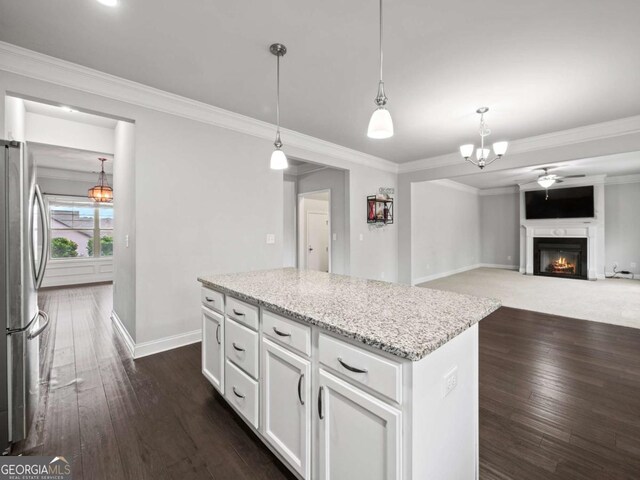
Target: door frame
(301, 227)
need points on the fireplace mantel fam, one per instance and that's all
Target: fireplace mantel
(554, 230)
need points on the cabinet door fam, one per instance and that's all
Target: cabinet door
(286, 391)
(360, 436)
(212, 348)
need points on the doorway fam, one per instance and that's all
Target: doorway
(314, 230)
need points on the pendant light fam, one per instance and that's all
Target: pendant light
(380, 125)
(101, 192)
(278, 158)
(482, 153)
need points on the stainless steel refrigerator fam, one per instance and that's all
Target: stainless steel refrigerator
(24, 251)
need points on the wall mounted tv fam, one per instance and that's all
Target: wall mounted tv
(574, 202)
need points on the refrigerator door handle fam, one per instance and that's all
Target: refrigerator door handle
(45, 238)
(11, 331)
(31, 335)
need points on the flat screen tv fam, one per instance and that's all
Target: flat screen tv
(574, 202)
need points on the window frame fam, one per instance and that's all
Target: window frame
(75, 199)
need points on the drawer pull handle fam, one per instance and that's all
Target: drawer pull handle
(320, 413)
(209, 299)
(282, 334)
(352, 369)
(240, 314)
(300, 389)
(235, 392)
(240, 349)
(218, 334)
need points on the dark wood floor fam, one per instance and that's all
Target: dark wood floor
(559, 399)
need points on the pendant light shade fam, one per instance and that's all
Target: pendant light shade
(278, 158)
(380, 125)
(101, 192)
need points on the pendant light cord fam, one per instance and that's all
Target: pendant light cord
(381, 55)
(278, 97)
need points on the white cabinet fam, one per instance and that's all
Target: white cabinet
(213, 348)
(286, 391)
(360, 436)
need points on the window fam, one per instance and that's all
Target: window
(79, 228)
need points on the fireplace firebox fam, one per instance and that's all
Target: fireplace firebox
(560, 257)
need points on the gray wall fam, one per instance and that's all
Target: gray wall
(622, 226)
(124, 217)
(289, 240)
(500, 229)
(446, 229)
(336, 181)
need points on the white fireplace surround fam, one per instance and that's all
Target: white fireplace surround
(590, 228)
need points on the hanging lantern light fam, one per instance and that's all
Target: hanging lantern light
(101, 192)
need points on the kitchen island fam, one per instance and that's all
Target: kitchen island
(346, 378)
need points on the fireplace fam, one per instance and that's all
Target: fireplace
(560, 257)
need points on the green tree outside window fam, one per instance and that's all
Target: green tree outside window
(106, 246)
(63, 247)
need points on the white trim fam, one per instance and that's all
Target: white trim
(128, 341)
(72, 175)
(497, 191)
(32, 64)
(448, 273)
(587, 133)
(167, 343)
(456, 185)
(622, 179)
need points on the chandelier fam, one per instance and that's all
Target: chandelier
(101, 192)
(482, 153)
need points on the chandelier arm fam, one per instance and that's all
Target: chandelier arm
(489, 162)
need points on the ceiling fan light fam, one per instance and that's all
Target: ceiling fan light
(466, 150)
(500, 148)
(380, 125)
(546, 181)
(278, 160)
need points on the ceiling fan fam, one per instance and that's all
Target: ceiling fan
(546, 179)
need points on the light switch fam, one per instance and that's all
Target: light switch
(271, 238)
(335, 237)
(361, 237)
(126, 241)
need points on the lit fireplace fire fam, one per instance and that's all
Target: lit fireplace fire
(561, 265)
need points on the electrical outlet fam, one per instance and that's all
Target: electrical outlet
(335, 237)
(450, 381)
(126, 241)
(361, 237)
(271, 238)
(508, 257)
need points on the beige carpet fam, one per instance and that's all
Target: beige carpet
(610, 301)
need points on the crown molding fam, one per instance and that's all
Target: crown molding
(588, 133)
(497, 191)
(72, 175)
(36, 65)
(456, 186)
(622, 179)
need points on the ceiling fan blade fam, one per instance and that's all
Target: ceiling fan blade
(573, 176)
(559, 181)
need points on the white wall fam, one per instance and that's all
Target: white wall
(622, 227)
(124, 228)
(500, 229)
(337, 182)
(66, 133)
(289, 239)
(445, 229)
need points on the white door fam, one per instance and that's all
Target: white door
(318, 241)
(360, 436)
(285, 397)
(212, 348)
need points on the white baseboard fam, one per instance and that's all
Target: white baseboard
(167, 343)
(143, 349)
(448, 273)
(128, 341)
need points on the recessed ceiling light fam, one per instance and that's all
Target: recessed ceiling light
(109, 3)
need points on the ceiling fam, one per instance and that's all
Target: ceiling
(67, 113)
(610, 165)
(540, 66)
(63, 158)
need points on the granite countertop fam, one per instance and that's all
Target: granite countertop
(409, 322)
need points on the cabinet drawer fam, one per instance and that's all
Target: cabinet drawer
(241, 346)
(242, 392)
(379, 374)
(212, 299)
(242, 312)
(287, 332)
